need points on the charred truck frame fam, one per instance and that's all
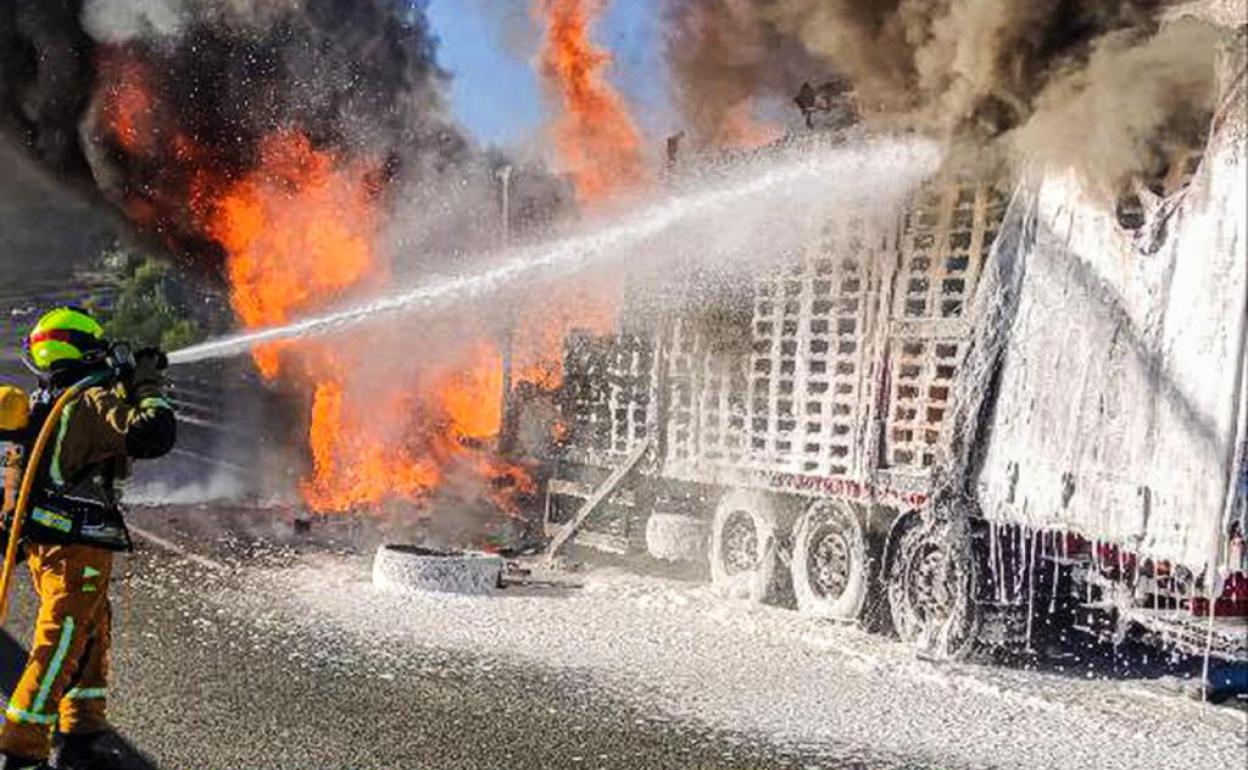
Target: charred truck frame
(1007, 402)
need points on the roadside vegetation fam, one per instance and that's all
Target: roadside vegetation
(151, 302)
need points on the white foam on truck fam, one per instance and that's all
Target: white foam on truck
(1117, 408)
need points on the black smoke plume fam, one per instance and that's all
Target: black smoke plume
(135, 96)
(964, 69)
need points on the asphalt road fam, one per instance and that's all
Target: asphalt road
(194, 687)
(242, 643)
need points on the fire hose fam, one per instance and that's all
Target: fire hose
(28, 483)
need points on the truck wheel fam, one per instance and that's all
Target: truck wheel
(676, 537)
(415, 568)
(830, 568)
(931, 578)
(744, 546)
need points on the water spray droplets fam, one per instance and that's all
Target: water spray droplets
(847, 171)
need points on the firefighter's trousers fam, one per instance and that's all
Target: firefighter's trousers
(66, 674)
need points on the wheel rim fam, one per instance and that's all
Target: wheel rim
(931, 594)
(740, 541)
(932, 587)
(830, 564)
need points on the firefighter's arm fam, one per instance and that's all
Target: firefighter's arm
(141, 421)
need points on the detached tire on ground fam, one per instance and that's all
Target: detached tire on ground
(414, 568)
(830, 568)
(676, 537)
(744, 546)
(930, 576)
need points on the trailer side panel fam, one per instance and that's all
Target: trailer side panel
(1117, 409)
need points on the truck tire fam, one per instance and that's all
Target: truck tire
(744, 546)
(930, 576)
(830, 567)
(414, 568)
(676, 537)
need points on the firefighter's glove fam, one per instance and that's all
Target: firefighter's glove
(147, 379)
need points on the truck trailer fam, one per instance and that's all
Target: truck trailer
(1009, 401)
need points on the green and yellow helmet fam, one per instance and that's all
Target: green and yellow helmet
(64, 336)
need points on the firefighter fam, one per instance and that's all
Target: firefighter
(73, 526)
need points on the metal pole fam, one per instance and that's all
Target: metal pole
(505, 433)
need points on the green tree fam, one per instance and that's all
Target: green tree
(149, 306)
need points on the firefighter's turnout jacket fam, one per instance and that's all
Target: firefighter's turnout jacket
(74, 524)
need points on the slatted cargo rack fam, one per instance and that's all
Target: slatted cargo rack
(946, 237)
(796, 401)
(607, 408)
(607, 397)
(844, 369)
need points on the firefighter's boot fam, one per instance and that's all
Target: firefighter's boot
(14, 762)
(88, 751)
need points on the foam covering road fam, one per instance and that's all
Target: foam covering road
(268, 649)
(197, 685)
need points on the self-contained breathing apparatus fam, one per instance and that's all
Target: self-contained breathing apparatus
(80, 510)
(65, 513)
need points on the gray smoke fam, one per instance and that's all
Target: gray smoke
(45, 75)
(722, 54)
(126, 21)
(1149, 94)
(965, 69)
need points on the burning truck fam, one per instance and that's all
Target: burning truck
(1010, 404)
(1008, 392)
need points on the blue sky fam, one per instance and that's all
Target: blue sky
(496, 93)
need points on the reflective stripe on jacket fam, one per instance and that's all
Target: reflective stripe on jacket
(92, 446)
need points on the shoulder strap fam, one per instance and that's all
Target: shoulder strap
(49, 470)
(41, 407)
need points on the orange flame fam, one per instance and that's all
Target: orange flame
(596, 139)
(542, 327)
(351, 467)
(299, 232)
(406, 442)
(128, 106)
(599, 145)
(472, 397)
